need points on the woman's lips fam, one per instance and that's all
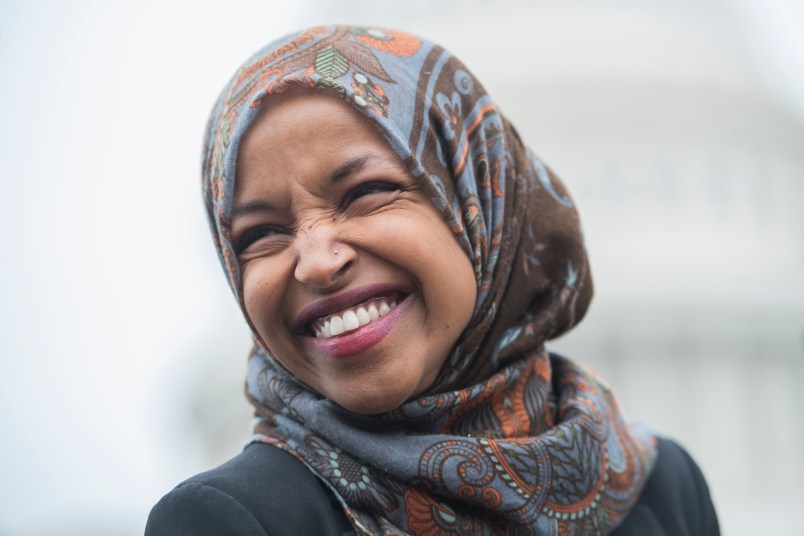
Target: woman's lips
(362, 338)
(341, 302)
(352, 318)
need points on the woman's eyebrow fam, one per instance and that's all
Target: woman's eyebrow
(252, 207)
(356, 165)
(349, 168)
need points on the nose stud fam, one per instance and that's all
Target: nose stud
(335, 251)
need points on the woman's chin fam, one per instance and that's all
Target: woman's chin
(369, 403)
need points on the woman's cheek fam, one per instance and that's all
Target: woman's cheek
(260, 287)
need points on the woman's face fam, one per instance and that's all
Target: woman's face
(350, 275)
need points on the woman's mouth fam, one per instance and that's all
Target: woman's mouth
(352, 323)
(354, 317)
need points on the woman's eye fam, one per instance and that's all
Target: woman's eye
(255, 234)
(369, 188)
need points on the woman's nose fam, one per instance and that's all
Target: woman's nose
(322, 260)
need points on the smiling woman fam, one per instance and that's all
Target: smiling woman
(346, 263)
(402, 258)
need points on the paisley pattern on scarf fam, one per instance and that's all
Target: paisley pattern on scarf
(510, 439)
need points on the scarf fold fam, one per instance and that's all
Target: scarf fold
(538, 448)
(509, 439)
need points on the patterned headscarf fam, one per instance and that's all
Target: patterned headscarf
(509, 439)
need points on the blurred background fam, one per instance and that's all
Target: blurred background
(678, 126)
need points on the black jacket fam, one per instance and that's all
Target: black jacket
(265, 491)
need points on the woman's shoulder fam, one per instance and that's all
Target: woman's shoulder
(262, 491)
(675, 500)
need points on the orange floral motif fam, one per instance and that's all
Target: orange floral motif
(543, 369)
(509, 407)
(427, 517)
(369, 95)
(392, 41)
(495, 178)
(306, 37)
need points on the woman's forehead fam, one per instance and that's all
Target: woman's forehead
(314, 132)
(301, 116)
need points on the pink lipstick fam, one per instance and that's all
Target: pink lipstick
(357, 339)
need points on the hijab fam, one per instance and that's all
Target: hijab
(510, 438)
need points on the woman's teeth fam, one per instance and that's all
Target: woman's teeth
(351, 319)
